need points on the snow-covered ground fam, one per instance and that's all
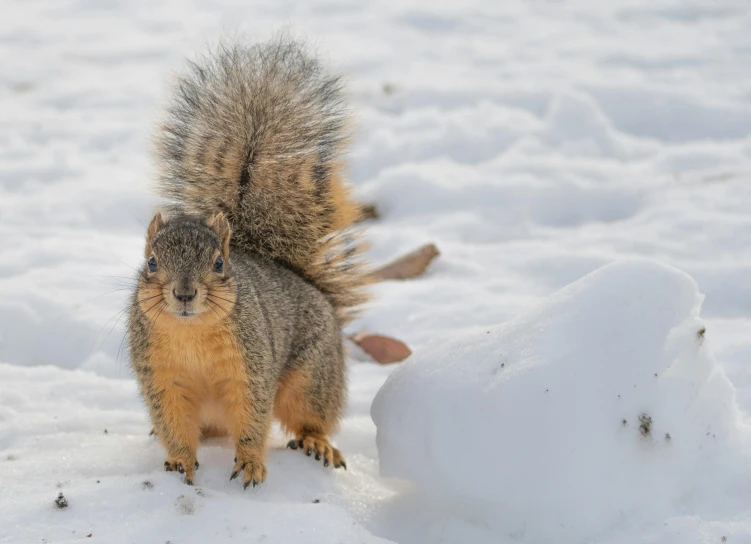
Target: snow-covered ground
(533, 142)
(602, 408)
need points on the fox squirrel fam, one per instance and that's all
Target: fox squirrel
(251, 272)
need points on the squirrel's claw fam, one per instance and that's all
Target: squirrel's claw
(321, 447)
(254, 472)
(183, 467)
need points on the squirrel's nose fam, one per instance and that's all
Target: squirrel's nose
(184, 297)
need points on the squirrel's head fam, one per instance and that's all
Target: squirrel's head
(187, 273)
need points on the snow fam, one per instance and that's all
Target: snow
(532, 141)
(87, 436)
(598, 407)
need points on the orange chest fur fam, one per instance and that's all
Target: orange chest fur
(204, 363)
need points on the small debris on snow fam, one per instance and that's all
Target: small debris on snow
(61, 501)
(645, 424)
(145, 485)
(316, 501)
(106, 431)
(668, 438)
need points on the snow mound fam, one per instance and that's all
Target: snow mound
(599, 407)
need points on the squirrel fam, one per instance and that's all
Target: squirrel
(251, 268)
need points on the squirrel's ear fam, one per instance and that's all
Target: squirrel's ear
(155, 226)
(219, 224)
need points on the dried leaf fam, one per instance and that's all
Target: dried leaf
(369, 211)
(383, 349)
(411, 265)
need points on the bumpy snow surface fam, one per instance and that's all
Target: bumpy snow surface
(599, 406)
(534, 142)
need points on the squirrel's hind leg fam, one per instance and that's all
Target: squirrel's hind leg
(309, 403)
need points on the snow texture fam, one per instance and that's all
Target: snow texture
(532, 141)
(599, 405)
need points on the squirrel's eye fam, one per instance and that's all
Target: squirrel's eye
(219, 265)
(152, 264)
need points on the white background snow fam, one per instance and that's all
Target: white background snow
(533, 142)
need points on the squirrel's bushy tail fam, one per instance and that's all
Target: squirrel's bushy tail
(257, 132)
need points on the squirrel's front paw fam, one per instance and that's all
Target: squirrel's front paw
(183, 466)
(253, 469)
